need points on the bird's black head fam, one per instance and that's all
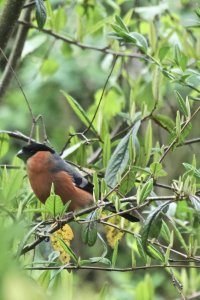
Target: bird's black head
(31, 149)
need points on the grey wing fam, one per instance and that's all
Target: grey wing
(60, 165)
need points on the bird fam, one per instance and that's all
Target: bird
(46, 167)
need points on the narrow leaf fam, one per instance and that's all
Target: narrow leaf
(191, 168)
(152, 225)
(155, 253)
(106, 150)
(114, 256)
(44, 279)
(141, 249)
(195, 200)
(40, 13)
(96, 186)
(4, 144)
(140, 40)
(79, 111)
(165, 122)
(148, 144)
(156, 83)
(89, 231)
(54, 205)
(179, 236)
(145, 191)
(120, 157)
(68, 250)
(121, 23)
(181, 103)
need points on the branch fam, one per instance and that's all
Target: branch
(129, 269)
(95, 113)
(18, 135)
(73, 216)
(176, 138)
(185, 256)
(8, 19)
(102, 95)
(192, 296)
(105, 49)
(15, 54)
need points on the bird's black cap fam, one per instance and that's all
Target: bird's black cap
(29, 150)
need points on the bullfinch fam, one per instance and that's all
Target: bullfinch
(45, 167)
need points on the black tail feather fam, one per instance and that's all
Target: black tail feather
(125, 215)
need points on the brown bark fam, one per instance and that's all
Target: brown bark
(8, 19)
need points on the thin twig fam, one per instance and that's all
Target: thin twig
(19, 84)
(17, 135)
(129, 269)
(102, 95)
(104, 49)
(176, 138)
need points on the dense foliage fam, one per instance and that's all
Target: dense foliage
(115, 87)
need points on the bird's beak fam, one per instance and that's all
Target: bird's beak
(20, 154)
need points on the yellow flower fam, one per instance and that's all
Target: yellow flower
(66, 234)
(113, 235)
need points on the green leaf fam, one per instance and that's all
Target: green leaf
(106, 150)
(197, 11)
(167, 254)
(147, 144)
(49, 67)
(79, 111)
(165, 232)
(178, 124)
(114, 255)
(181, 103)
(139, 40)
(4, 144)
(180, 58)
(191, 168)
(11, 184)
(60, 19)
(155, 253)
(44, 279)
(153, 37)
(89, 230)
(145, 191)
(120, 157)
(128, 183)
(157, 170)
(96, 186)
(100, 259)
(163, 52)
(40, 13)
(152, 225)
(121, 23)
(156, 83)
(68, 250)
(195, 200)
(129, 37)
(141, 249)
(165, 122)
(103, 292)
(72, 149)
(179, 235)
(177, 54)
(54, 205)
(105, 248)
